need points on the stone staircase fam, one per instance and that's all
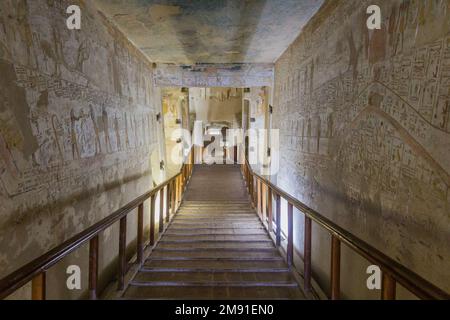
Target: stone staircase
(214, 250)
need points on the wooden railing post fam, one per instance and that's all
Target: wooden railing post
(122, 253)
(152, 220)
(93, 267)
(255, 190)
(168, 191)
(263, 201)
(250, 186)
(335, 268)
(177, 186)
(224, 155)
(178, 191)
(388, 289)
(248, 179)
(161, 210)
(173, 194)
(307, 254)
(290, 244)
(38, 287)
(269, 209)
(258, 196)
(278, 220)
(140, 234)
(181, 186)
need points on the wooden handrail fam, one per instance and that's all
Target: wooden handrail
(392, 270)
(36, 269)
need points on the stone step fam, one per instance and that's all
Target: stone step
(215, 202)
(235, 242)
(216, 246)
(203, 269)
(217, 249)
(224, 264)
(224, 222)
(218, 208)
(212, 292)
(193, 232)
(208, 277)
(200, 219)
(240, 237)
(214, 284)
(222, 254)
(183, 256)
(193, 224)
(177, 228)
(226, 214)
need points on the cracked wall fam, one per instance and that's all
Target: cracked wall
(365, 120)
(77, 128)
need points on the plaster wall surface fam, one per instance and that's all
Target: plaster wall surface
(364, 119)
(77, 130)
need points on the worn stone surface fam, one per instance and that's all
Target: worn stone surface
(213, 31)
(364, 118)
(77, 127)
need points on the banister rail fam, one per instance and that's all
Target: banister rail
(393, 272)
(35, 270)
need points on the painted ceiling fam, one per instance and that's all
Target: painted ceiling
(210, 31)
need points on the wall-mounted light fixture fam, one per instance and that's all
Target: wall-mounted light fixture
(179, 140)
(161, 165)
(158, 117)
(252, 120)
(270, 109)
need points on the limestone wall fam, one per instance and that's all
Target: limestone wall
(77, 129)
(364, 117)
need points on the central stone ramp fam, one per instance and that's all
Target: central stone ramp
(214, 250)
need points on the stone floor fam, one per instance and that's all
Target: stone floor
(215, 248)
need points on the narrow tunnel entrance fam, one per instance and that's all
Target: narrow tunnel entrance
(222, 124)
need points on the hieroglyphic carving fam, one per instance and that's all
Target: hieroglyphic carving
(366, 119)
(72, 104)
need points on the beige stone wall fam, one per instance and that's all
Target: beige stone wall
(364, 117)
(77, 130)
